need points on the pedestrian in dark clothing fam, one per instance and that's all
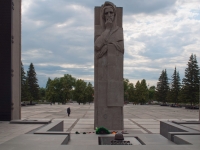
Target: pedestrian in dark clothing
(68, 111)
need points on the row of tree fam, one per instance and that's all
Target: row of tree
(177, 92)
(69, 88)
(138, 94)
(167, 90)
(58, 90)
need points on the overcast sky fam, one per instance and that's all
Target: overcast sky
(58, 37)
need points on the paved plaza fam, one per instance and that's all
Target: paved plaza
(138, 119)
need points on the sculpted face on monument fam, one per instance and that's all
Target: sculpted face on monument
(110, 33)
(109, 17)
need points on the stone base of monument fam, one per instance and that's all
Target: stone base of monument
(175, 131)
(173, 136)
(111, 141)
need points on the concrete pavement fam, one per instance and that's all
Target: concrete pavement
(138, 119)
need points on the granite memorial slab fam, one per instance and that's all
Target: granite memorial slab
(108, 70)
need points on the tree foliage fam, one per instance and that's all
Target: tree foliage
(42, 92)
(68, 88)
(131, 91)
(25, 93)
(126, 87)
(79, 92)
(144, 92)
(191, 81)
(89, 93)
(67, 84)
(162, 87)
(175, 87)
(60, 89)
(152, 93)
(137, 94)
(33, 82)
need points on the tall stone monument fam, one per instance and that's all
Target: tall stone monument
(108, 68)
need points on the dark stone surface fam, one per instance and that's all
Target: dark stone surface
(30, 121)
(5, 60)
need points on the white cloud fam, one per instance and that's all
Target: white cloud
(25, 6)
(57, 36)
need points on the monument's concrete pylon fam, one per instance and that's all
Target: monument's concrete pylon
(10, 60)
(108, 74)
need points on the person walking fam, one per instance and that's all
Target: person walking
(68, 111)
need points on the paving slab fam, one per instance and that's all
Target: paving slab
(143, 120)
(151, 126)
(83, 126)
(192, 126)
(131, 126)
(168, 119)
(190, 119)
(135, 131)
(128, 123)
(155, 131)
(148, 122)
(85, 122)
(67, 126)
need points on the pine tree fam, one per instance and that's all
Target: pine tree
(48, 90)
(23, 83)
(137, 92)
(175, 87)
(144, 92)
(162, 87)
(191, 81)
(126, 87)
(131, 92)
(89, 93)
(33, 83)
(25, 94)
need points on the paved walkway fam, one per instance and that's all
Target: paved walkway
(138, 119)
(87, 112)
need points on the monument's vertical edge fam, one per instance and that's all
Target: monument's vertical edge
(16, 59)
(10, 59)
(108, 67)
(95, 74)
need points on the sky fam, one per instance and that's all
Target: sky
(58, 37)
